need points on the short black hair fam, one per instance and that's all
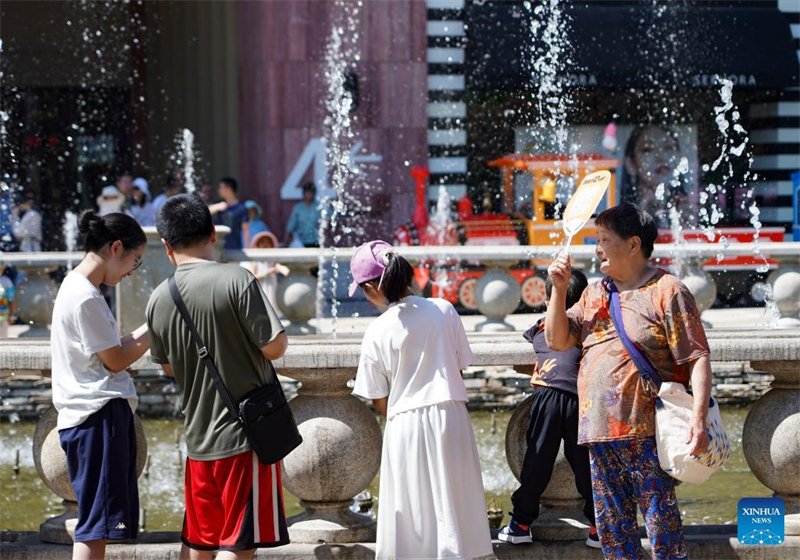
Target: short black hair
(231, 182)
(184, 221)
(628, 220)
(577, 283)
(309, 187)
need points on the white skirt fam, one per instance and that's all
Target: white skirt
(431, 502)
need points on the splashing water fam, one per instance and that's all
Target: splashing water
(678, 240)
(440, 223)
(439, 233)
(188, 160)
(734, 145)
(341, 53)
(550, 28)
(70, 230)
(771, 311)
(184, 159)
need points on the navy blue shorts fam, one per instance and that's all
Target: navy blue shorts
(101, 458)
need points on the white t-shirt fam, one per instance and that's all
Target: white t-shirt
(414, 353)
(82, 326)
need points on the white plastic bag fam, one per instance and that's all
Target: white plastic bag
(673, 418)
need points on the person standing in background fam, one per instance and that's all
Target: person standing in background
(110, 200)
(255, 224)
(141, 208)
(304, 219)
(267, 272)
(172, 187)
(26, 223)
(207, 194)
(231, 212)
(125, 186)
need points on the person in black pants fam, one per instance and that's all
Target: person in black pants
(553, 418)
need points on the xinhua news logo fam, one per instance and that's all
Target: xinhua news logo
(761, 521)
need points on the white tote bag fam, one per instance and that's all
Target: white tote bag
(674, 415)
(673, 418)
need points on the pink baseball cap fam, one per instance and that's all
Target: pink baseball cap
(367, 263)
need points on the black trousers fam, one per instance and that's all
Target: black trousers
(554, 417)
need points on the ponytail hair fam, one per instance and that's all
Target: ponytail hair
(398, 277)
(98, 231)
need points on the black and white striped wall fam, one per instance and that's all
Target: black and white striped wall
(447, 110)
(776, 139)
(775, 131)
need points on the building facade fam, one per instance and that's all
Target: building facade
(98, 89)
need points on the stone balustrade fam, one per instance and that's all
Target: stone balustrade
(497, 293)
(340, 453)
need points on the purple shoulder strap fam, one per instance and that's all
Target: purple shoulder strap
(643, 364)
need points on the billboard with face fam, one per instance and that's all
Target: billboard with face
(658, 164)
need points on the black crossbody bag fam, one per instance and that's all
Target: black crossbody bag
(264, 412)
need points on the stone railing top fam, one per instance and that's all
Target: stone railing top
(502, 349)
(789, 250)
(41, 259)
(515, 253)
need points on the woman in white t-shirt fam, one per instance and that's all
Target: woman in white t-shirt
(432, 503)
(92, 392)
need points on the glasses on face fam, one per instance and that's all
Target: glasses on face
(137, 263)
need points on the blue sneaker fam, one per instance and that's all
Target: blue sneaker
(593, 540)
(514, 534)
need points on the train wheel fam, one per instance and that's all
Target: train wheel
(466, 294)
(533, 292)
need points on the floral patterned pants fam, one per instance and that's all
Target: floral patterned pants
(626, 473)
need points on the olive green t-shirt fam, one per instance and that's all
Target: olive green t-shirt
(235, 320)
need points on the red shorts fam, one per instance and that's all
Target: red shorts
(234, 503)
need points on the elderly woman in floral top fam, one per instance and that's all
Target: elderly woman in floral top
(617, 410)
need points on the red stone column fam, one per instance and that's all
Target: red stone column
(281, 47)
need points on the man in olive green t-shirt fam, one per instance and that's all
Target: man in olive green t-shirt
(242, 333)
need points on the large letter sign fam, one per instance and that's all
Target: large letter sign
(315, 153)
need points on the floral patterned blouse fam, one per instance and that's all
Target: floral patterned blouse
(661, 318)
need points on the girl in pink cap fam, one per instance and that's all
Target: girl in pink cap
(431, 503)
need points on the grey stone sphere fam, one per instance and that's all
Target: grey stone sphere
(770, 441)
(702, 286)
(341, 449)
(786, 289)
(297, 297)
(36, 297)
(51, 461)
(497, 293)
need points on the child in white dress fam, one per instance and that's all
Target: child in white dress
(431, 502)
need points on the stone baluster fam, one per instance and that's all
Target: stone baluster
(35, 299)
(785, 282)
(51, 464)
(561, 517)
(702, 286)
(337, 460)
(770, 438)
(497, 294)
(297, 299)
